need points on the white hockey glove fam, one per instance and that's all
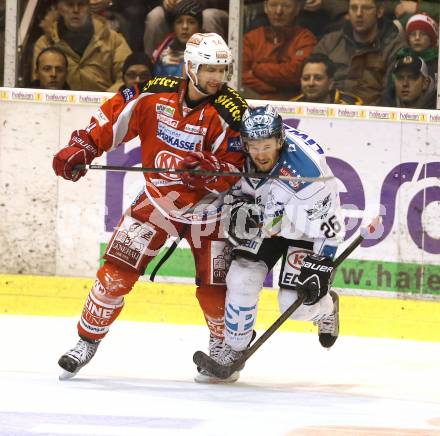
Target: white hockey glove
(315, 277)
(245, 221)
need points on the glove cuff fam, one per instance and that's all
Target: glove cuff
(82, 140)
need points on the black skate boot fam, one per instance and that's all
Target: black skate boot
(328, 326)
(73, 360)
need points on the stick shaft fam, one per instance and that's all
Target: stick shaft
(225, 371)
(200, 172)
(286, 314)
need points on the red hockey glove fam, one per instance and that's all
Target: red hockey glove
(80, 150)
(200, 160)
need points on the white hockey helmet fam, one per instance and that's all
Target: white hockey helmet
(207, 49)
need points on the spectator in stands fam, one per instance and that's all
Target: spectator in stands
(413, 86)
(137, 68)
(317, 84)
(422, 34)
(95, 53)
(404, 9)
(51, 69)
(272, 55)
(157, 23)
(168, 56)
(364, 50)
(323, 16)
(135, 11)
(108, 10)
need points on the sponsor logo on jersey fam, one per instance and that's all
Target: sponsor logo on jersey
(233, 107)
(296, 257)
(178, 139)
(101, 118)
(234, 144)
(221, 256)
(219, 269)
(128, 93)
(131, 242)
(162, 81)
(320, 209)
(196, 129)
(287, 173)
(165, 159)
(165, 109)
(289, 279)
(167, 120)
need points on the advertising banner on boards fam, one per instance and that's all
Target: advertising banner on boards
(386, 160)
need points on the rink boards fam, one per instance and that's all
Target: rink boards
(177, 304)
(386, 161)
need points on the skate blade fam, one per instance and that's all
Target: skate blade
(211, 380)
(66, 375)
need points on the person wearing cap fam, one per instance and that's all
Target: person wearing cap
(158, 25)
(168, 56)
(364, 50)
(137, 68)
(413, 86)
(422, 34)
(95, 53)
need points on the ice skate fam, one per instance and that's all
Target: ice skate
(73, 360)
(328, 326)
(216, 351)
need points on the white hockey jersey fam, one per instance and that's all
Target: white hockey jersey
(298, 210)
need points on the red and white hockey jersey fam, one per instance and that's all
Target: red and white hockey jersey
(168, 130)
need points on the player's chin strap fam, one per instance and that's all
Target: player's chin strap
(169, 252)
(197, 86)
(202, 360)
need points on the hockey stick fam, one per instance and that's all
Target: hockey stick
(201, 172)
(224, 371)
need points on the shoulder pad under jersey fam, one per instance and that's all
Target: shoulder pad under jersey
(231, 106)
(161, 84)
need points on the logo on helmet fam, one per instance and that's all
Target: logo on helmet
(196, 39)
(262, 122)
(222, 55)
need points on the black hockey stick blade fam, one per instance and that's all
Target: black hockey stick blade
(221, 371)
(224, 371)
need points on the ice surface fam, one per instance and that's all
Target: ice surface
(141, 383)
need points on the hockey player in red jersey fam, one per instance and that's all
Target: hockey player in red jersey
(190, 123)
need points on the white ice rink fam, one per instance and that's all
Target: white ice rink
(140, 383)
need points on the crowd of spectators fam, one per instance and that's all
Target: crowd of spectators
(372, 52)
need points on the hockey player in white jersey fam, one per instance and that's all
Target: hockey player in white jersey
(272, 218)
